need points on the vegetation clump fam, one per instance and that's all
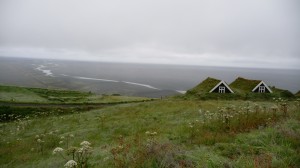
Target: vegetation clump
(80, 155)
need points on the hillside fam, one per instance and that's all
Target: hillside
(166, 133)
(15, 94)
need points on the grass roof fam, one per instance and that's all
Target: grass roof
(244, 85)
(297, 94)
(206, 85)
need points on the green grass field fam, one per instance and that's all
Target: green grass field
(37, 95)
(162, 133)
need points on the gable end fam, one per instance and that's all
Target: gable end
(262, 88)
(221, 87)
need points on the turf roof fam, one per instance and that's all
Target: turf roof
(206, 85)
(244, 85)
(297, 94)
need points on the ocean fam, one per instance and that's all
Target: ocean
(151, 80)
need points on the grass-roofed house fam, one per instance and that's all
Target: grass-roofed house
(210, 88)
(242, 85)
(251, 89)
(221, 87)
(258, 89)
(241, 88)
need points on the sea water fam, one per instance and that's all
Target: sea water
(151, 80)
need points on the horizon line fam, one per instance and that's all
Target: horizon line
(151, 63)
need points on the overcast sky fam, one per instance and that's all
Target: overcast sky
(245, 33)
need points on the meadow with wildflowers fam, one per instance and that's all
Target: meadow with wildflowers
(161, 133)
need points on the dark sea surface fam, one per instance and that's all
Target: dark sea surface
(130, 79)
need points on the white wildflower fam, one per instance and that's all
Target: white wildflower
(61, 142)
(71, 164)
(40, 141)
(85, 143)
(57, 150)
(80, 150)
(153, 133)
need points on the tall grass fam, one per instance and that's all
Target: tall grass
(164, 133)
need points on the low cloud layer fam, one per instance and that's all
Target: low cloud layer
(251, 33)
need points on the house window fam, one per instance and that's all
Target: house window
(222, 89)
(261, 89)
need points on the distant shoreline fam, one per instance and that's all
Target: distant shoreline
(130, 79)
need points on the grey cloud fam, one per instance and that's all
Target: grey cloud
(212, 32)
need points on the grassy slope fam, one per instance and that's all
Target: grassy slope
(38, 95)
(19, 94)
(180, 138)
